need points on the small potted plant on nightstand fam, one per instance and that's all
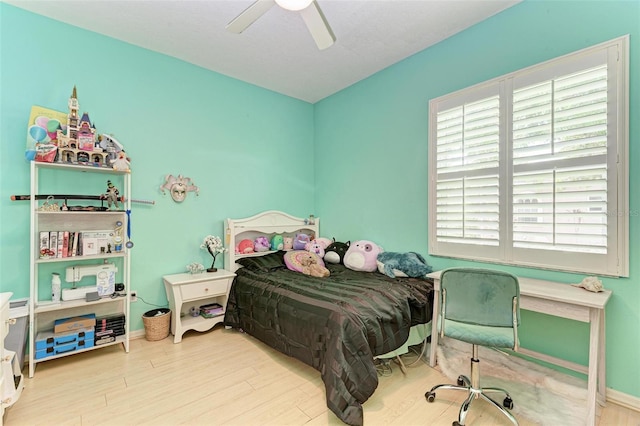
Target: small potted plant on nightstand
(214, 247)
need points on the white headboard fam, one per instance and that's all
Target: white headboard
(266, 224)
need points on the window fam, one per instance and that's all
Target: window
(531, 168)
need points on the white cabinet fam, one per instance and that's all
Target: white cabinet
(85, 181)
(11, 380)
(187, 291)
(4, 330)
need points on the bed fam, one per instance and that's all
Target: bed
(337, 324)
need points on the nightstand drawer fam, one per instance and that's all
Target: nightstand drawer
(204, 289)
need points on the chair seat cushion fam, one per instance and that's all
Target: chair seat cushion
(497, 337)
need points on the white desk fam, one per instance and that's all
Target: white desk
(560, 300)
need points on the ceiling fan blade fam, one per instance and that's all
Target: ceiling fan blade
(318, 26)
(249, 16)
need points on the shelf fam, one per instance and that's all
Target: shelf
(79, 258)
(119, 339)
(81, 168)
(77, 212)
(51, 307)
(254, 254)
(189, 322)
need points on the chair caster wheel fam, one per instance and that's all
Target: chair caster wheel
(431, 396)
(508, 403)
(457, 423)
(460, 381)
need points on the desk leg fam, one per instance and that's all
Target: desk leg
(434, 324)
(594, 355)
(602, 364)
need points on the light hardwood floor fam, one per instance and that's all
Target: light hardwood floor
(223, 377)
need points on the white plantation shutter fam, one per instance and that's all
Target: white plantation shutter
(531, 169)
(560, 126)
(562, 209)
(467, 179)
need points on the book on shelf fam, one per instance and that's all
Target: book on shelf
(79, 245)
(53, 244)
(60, 243)
(44, 244)
(65, 244)
(73, 244)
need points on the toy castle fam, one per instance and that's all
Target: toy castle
(80, 144)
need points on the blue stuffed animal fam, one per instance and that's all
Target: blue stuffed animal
(409, 264)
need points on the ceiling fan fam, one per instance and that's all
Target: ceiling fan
(309, 9)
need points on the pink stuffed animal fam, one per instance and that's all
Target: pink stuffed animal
(288, 243)
(324, 242)
(315, 247)
(244, 247)
(261, 244)
(362, 256)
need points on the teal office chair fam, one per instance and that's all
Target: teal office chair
(481, 307)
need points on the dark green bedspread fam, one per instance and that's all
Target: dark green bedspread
(336, 324)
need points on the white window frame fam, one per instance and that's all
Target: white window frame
(616, 260)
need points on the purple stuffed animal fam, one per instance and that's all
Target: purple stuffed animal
(261, 244)
(300, 241)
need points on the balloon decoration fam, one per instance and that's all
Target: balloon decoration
(43, 131)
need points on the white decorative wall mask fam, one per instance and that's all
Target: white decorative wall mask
(178, 187)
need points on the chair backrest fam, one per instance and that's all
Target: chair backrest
(480, 297)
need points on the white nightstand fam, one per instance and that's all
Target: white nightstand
(185, 291)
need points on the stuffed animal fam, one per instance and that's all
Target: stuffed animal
(311, 267)
(409, 264)
(277, 242)
(121, 162)
(362, 256)
(334, 253)
(300, 241)
(261, 244)
(293, 259)
(315, 247)
(288, 243)
(324, 242)
(244, 247)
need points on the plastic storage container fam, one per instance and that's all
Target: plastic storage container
(16, 340)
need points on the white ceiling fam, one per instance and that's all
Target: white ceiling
(277, 52)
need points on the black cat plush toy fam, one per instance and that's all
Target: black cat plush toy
(334, 253)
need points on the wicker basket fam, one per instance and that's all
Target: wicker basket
(156, 324)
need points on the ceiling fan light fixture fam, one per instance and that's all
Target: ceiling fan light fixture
(294, 5)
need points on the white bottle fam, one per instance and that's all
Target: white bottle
(55, 287)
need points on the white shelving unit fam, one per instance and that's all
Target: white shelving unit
(43, 312)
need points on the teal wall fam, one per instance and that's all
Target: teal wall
(371, 154)
(248, 149)
(364, 149)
